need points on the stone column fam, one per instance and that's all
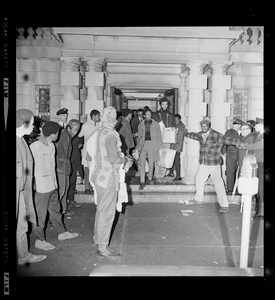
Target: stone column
(219, 83)
(70, 79)
(182, 103)
(94, 83)
(195, 110)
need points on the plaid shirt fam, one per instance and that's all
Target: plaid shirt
(210, 150)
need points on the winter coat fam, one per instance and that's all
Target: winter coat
(24, 178)
(63, 153)
(231, 149)
(156, 137)
(210, 150)
(168, 120)
(178, 146)
(126, 136)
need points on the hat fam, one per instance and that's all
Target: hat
(206, 122)
(259, 120)
(23, 116)
(49, 128)
(237, 121)
(62, 111)
(251, 122)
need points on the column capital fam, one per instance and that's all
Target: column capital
(94, 64)
(70, 63)
(196, 66)
(220, 67)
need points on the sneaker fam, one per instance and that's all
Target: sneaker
(43, 245)
(194, 202)
(150, 182)
(75, 204)
(224, 209)
(31, 258)
(67, 235)
(176, 179)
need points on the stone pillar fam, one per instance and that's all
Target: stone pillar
(70, 79)
(195, 110)
(94, 83)
(182, 102)
(219, 83)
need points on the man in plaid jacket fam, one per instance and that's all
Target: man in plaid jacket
(211, 143)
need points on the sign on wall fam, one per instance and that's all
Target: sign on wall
(42, 101)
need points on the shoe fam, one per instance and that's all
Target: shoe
(31, 258)
(258, 217)
(109, 254)
(229, 193)
(224, 209)
(67, 235)
(194, 202)
(150, 182)
(169, 175)
(43, 245)
(176, 179)
(142, 185)
(75, 204)
(68, 213)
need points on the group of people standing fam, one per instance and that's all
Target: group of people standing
(49, 166)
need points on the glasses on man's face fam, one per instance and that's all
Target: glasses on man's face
(245, 129)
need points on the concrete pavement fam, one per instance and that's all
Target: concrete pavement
(153, 234)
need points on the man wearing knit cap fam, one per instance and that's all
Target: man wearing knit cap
(104, 148)
(46, 192)
(63, 117)
(231, 153)
(211, 143)
(24, 201)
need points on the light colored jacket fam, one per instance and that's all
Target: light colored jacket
(24, 172)
(44, 166)
(86, 130)
(156, 137)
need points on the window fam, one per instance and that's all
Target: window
(240, 104)
(42, 101)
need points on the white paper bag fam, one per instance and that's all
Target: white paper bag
(169, 135)
(166, 157)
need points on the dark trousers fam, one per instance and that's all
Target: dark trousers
(47, 202)
(63, 187)
(260, 174)
(231, 168)
(72, 179)
(87, 183)
(176, 165)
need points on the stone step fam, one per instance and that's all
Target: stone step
(161, 193)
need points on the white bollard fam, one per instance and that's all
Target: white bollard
(247, 199)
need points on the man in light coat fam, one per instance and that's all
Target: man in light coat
(86, 130)
(46, 189)
(24, 201)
